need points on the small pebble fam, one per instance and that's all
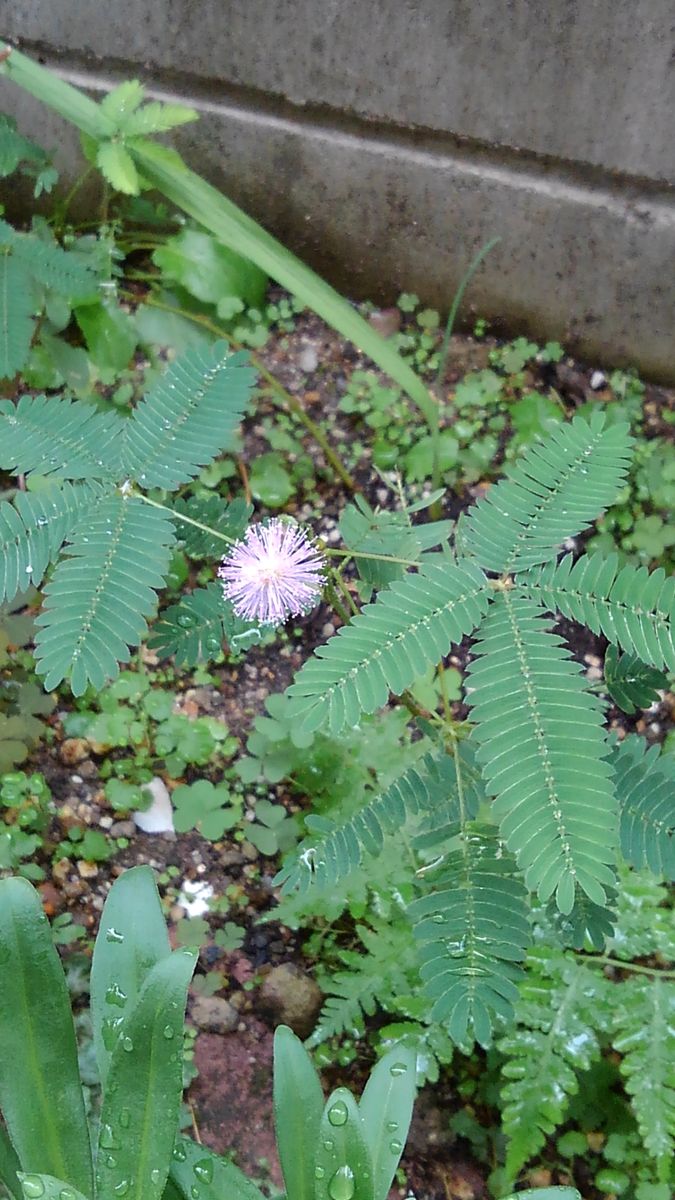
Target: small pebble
(86, 870)
(308, 360)
(598, 380)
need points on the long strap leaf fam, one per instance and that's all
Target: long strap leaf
(141, 1101)
(213, 210)
(9, 1165)
(40, 1092)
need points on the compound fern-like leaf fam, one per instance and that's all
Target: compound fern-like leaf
(211, 510)
(99, 596)
(633, 607)
(199, 625)
(429, 787)
(542, 749)
(631, 683)
(555, 489)
(389, 644)
(473, 930)
(645, 789)
(17, 304)
(57, 269)
(644, 1023)
(383, 967)
(188, 419)
(33, 528)
(64, 439)
(554, 1038)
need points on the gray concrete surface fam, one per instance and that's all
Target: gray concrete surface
(386, 141)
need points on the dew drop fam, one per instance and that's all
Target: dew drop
(155, 1175)
(112, 935)
(33, 1187)
(319, 1172)
(168, 1032)
(66, 1194)
(341, 1186)
(125, 1118)
(179, 1154)
(106, 1138)
(110, 1029)
(194, 1192)
(329, 1144)
(204, 1170)
(110, 1161)
(396, 1147)
(29, 569)
(438, 918)
(392, 1126)
(127, 1044)
(398, 1069)
(115, 995)
(337, 1113)
(121, 1188)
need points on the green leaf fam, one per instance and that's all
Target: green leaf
(553, 1039)
(13, 741)
(235, 229)
(98, 597)
(188, 419)
(631, 606)
(17, 305)
(228, 518)
(40, 1092)
(645, 788)
(270, 482)
(632, 684)
(298, 1106)
(196, 1168)
(109, 332)
(122, 100)
(204, 807)
(386, 1108)
(156, 118)
(142, 1096)
(32, 530)
(473, 930)
(9, 1163)
(546, 1193)
(62, 271)
(131, 940)
(209, 270)
(200, 626)
(644, 1023)
(63, 439)
(535, 723)
(343, 1165)
(556, 488)
(412, 624)
(118, 167)
(51, 1188)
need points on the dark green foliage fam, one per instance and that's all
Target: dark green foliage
(630, 606)
(631, 683)
(535, 721)
(228, 519)
(473, 930)
(388, 533)
(33, 527)
(199, 626)
(65, 439)
(556, 489)
(554, 1038)
(188, 418)
(644, 1034)
(645, 788)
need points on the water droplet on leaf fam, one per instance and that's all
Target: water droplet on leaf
(33, 1187)
(396, 1147)
(168, 1032)
(106, 1138)
(179, 1154)
(125, 1118)
(341, 1186)
(204, 1170)
(337, 1113)
(319, 1172)
(398, 1069)
(392, 1126)
(155, 1175)
(127, 1044)
(121, 1188)
(111, 935)
(115, 995)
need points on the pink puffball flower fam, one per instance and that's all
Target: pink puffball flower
(273, 573)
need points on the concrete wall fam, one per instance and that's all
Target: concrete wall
(385, 140)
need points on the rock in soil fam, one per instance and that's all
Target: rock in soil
(291, 997)
(214, 1014)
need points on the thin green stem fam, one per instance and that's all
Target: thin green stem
(443, 359)
(279, 392)
(604, 960)
(61, 211)
(336, 602)
(334, 553)
(342, 587)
